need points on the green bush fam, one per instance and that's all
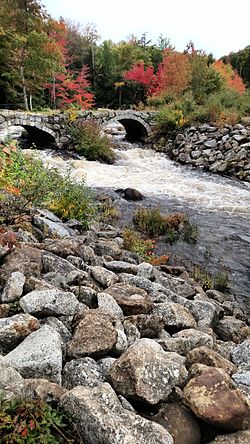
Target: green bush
(170, 118)
(27, 182)
(134, 243)
(34, 422)
(149, 222)
(89, 142)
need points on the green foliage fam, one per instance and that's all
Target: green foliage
(219, 281)
(108, 213)
(28, 182)
(133, 242)
(149, 222)
(34, 422)
(89, 142)
(169, 118)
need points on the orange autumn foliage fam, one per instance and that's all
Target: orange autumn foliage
(174, 73)
(231, 77)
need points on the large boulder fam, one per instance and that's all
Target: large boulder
(94, 336)
(39, 355)
(101, 418)
(146, 373)
(212, 399)
(49, 303)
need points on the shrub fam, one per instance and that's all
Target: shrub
(34, 422)
(108, 213)
(89, 142)
(28, 182)
(133, 242)
(150, 222)
(170, 118)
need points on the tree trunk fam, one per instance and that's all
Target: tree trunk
(25, 98)
(31, 106)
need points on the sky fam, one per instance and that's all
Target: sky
(216, 26)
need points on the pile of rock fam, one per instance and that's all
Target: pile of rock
(135, 353)
(224, 150)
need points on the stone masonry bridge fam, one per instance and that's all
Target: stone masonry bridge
(51, 129)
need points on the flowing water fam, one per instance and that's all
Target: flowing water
(155, 176)
(218, 206)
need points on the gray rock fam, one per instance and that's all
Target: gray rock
(145, 372)
(58, 325)
(101, 418)
(13, 288)
(87, 295)
(185, 340)
(104, 277)
(59, 266)
(107, 303)
(242, 378)
(131, 299)
(176, 317)
(241, 353)
(145, 270)
(121, 267)
(105, 364)
(84, 371)
(205, 313)
(39, 355)
(9, 377)
(242, 437)
(131, 331)
(231, 329)
(49, 303)
(50, 228)
(15, 328)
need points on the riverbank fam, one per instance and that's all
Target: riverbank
(119, 344)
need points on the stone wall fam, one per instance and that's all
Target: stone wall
(224, 150)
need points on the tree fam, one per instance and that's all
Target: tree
(174, 73)
(231, 78)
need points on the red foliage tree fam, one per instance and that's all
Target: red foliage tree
(145, 77)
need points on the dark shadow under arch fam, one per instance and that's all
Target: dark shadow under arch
(135, 131)
(40, 138)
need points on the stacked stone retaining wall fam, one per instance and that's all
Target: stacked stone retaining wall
(224, 150)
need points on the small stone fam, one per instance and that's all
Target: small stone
(242, 437)
(104, 277)
(131, 299)
(149, 326)
(107, 303)
(176, 317)
(205, 355)
(231, 329)
(241, 353)
(15, 328)
(121, 267)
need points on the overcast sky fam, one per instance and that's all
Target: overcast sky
(217, 26)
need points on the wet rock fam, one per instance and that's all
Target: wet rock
(212, 399)
(176, 317)
(13, 288)
(49, 303)
(94, 336)
(84, 372)
(100, 417)
(107, 303)
(242, 437)
(180, 423)
(131, 299)
(231, 329)
(205, 355)
(104, 277)
(149, 326)
(145, 372)
(130, 194)
(14, 329)
(39, 355)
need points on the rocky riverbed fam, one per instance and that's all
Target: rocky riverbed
(135, 353)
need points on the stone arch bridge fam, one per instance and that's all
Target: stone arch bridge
(51, 129)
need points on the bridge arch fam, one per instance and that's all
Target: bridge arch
(40, 134)
(137, 129)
